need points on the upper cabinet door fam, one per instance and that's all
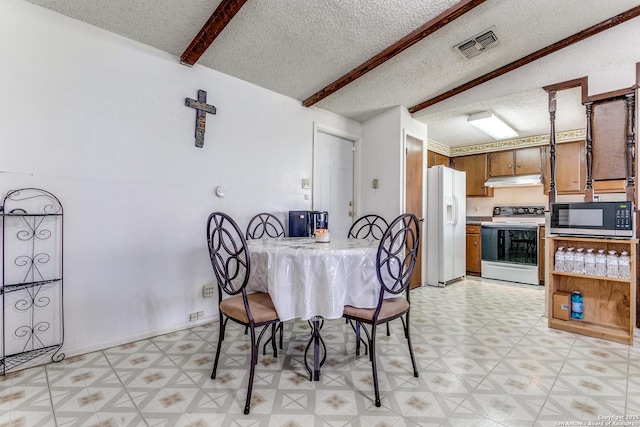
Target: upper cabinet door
(525, 161)
(501, 163)
(570, 168)
(609, 140)
(528, 161)
(475, 166)
(436, 159)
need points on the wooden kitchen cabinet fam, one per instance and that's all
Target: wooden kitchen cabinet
(528, 161)
(610, 124)
(525, 161)
(570, 168)
(571, 171)
(608, 303)
(474, 247)
(501, 163)
(609, 130)
(437, 159)
(477, 173)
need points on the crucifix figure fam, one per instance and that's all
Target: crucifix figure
(202, 108)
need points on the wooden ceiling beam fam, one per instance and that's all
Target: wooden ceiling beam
(223, 14)
(591, 31)
(412, 38)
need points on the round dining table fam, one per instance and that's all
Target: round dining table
(314, 281)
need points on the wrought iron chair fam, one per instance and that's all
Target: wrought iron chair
(370, 226)
(395, 263)
(264, 225)
(261, 226)
(232, 266)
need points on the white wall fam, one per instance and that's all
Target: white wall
(382, 159)
(413, 127)
(612, 79)
(100, 121)
(507, 196)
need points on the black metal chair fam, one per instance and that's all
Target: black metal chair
(264, 225)
(232, 266)
(370, 226)
(395, 263)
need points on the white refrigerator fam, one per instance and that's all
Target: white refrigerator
(446, 222)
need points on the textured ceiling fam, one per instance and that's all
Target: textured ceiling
(297, 47)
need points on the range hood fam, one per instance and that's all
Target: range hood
(514, 181)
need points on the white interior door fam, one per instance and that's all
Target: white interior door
(333, 181)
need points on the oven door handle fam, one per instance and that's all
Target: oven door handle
(511, 226)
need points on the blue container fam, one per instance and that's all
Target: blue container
(576, 305)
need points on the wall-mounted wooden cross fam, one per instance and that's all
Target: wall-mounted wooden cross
(202, 108)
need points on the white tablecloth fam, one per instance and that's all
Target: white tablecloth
(307, 279)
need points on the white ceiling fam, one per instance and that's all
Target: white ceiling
(297, 47)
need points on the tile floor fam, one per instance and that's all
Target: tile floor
(485, 355)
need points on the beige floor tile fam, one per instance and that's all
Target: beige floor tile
(484, 359)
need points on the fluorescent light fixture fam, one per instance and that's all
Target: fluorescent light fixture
(491, 125)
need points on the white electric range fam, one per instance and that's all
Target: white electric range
(510, 244)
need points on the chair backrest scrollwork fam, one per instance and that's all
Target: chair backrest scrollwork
(368, 227)
(228, 253)
(264, 225)
(397, 255)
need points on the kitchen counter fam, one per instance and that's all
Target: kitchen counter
(477, 220)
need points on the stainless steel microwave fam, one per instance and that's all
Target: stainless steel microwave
(608, 219)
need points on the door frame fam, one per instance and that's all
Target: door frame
(357, 163)
(403, 198)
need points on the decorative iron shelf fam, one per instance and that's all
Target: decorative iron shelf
(32, 279)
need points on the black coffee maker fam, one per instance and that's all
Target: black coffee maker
(305, 223)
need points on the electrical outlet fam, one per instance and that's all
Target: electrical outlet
(208, 290)
(193, 317)
(200, 315)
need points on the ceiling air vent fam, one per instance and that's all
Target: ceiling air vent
(477, 44)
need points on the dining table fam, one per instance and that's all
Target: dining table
(313, 281)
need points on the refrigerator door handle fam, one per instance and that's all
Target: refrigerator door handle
(455, 210)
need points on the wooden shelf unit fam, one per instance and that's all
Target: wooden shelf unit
(608, 303)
